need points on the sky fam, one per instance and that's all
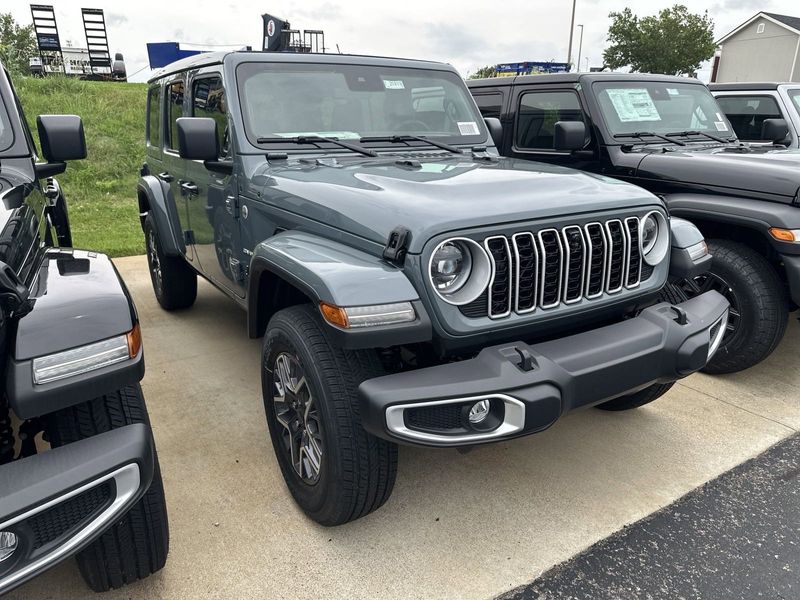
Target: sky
(465, 33)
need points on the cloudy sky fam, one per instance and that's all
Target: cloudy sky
(465, 33)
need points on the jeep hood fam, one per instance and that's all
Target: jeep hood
(369, 198)
(769, 175)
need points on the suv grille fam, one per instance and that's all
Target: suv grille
(551, 267)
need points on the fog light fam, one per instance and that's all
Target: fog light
(8, 544)
(479, 412)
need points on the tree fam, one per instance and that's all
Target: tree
(674, 42)
(484, 72)
(17, 44)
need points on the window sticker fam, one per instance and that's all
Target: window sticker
(394, 84)
(468, 128)
(721, 126)
(719, 116)
(673, 92)
(633, 104)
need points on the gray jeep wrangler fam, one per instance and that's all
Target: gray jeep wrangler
(411, 286)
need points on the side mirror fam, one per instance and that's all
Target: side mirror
(495, 130)
(569, 135)
(775, 130)
(61, 137)
(197, 138)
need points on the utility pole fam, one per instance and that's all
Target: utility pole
(580, 49)
(571, 30)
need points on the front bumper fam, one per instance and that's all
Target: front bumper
(530, 386)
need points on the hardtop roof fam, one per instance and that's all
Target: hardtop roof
(551, 78)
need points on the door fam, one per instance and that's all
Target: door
(211, 196)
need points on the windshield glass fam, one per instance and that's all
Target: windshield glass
(795, 96)
(660, 108)
(355, 101)
(6, 134)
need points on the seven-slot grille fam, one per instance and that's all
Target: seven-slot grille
(551, 267)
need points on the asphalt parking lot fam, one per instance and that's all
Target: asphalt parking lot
(469, 526)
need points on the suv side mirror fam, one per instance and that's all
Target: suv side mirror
(62, 137)
(569, 135)
(775, 130)
(495, 130)
(197, 138)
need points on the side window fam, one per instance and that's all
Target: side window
(539, 112)
(490, 105)
(174, 112)
(748, 113)
(153, 114)
(208, 100)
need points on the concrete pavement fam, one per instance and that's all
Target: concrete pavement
(457, 526)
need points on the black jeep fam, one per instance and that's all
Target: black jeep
(71, 360)
(669, 135)
(411, 286)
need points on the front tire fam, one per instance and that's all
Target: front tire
(334, 469)
(759, 309)
(137, 545)
(174, 281)
(637, 399)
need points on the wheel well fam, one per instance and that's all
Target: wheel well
(737, 233)
(273, 293)
(144, 206)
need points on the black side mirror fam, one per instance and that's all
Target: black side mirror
(775, 130)
(197, 138)
(61, 137)
(495, 130)
(569, 135)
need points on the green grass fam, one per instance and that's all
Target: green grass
(100, 190)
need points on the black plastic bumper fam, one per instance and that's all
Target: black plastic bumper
(792, 265)
(535, 384)
(60, 501)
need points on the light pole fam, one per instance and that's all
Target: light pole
(571, 30)
(580, 49)
(587, 63)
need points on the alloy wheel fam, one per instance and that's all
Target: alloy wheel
(153, 260)
(711, 281)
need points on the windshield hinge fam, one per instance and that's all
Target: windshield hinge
(397, 246)
(13, 293)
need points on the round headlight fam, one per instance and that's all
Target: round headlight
(654, 237)
(459, 270)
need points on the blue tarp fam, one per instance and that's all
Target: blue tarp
(163, 53)
(529, 67)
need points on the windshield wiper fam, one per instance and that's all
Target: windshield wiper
(642, 134)
(316, 139)
(708, 135)
(395, 139)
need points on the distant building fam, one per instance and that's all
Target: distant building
(763, 48)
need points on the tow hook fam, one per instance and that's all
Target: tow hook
(521, 357)
(681, 317)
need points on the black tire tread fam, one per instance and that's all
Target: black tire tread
(637, 399)
(178, 278)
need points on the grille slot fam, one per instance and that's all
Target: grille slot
(527, 271)
(596, 263)
(500, 287)
(634, 272)
(552, 258)
(616, 256)
(575, 251)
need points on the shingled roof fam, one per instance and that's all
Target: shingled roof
(793, 22)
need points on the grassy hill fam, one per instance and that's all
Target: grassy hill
(101, 190)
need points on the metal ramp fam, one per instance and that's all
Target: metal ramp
(94, 26)
(47, 38)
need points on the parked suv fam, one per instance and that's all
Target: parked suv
(70, 364)
(762, 113)
(411, 286)
(669, 135)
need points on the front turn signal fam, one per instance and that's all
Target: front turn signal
(785, 235)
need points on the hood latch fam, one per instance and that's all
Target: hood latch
(397, 246)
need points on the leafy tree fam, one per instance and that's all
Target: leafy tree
(17, 44)
(484, 72)
(674, 42)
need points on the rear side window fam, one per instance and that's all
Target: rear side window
(490, 105)
(174, 112)
(153, 114)
(208, 100)
(748, 113)
(539, 112)
(6, 133)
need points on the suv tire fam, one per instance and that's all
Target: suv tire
(138, 544)
(759, 305)
(353, 472)
(174, 281)
(637, 399)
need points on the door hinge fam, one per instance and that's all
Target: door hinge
(238, 270)
(232, 206)
(188, 237)
(397, 245)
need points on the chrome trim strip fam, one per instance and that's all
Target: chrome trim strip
(635, 221)
(589, 259)
(535, 272)
(513, 421)
(565, 290)
(714, 344)
(127, 480)
(610, 254)
(494, 271)
(544, 262)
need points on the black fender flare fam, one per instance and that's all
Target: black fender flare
(161, 204)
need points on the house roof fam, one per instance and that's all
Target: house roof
(790, 23)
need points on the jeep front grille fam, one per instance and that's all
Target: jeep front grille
(548, 268)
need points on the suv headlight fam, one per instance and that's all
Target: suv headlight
(654, 237)
(459, 270)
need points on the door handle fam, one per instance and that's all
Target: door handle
(166, 177)
(188, 188)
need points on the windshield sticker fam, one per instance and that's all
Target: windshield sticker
(721, 126)
(468, 128)
(719, 117)
(673, 92)
(633, 104)
(393, 84)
